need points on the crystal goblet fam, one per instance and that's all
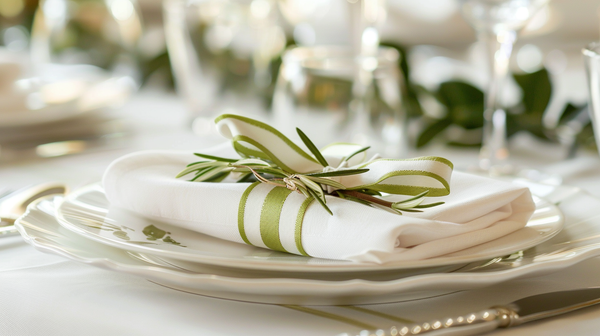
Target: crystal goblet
(497, 23)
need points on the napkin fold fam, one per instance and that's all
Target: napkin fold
(478, 210)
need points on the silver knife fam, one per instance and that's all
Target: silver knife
(525, 310)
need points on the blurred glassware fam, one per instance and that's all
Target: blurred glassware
(63, 93)
(591, 54)
(315, 92)
(366, 17)
(14, 22)
(53, 113)
(100, 33)
(82, 64)
(223, 53)
(317, 22)
(497, 23)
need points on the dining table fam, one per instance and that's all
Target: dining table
(46, 294)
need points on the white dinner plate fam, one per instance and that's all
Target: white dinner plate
(579, 240)
(87, 212)
(81, 91)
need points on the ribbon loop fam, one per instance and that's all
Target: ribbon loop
(255, 139)
(252, 138)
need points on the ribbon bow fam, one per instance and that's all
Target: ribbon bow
(280, 167)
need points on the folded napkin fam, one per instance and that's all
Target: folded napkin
(476, 211)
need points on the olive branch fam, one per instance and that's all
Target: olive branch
(315, 185)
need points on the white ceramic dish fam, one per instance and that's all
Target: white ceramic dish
(579, 240)
(64, 99)
(87, 212)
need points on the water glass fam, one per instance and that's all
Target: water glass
(591, 53)
(335, 96)
(223, 53)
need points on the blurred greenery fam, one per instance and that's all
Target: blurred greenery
(463, 109)
(412, 105)
(87, 37)
(527, 115)
(16, 12)
(159, 64)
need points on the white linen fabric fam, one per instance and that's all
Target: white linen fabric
(477, 211)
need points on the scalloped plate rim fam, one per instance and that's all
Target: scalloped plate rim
(330, 266)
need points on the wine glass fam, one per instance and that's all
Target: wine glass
(497, 23)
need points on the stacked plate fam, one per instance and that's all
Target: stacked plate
(49, 110)
(83, 227)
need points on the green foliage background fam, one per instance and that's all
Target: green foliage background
(463, 104)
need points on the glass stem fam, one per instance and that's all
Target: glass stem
(365, 44)
(494, 151)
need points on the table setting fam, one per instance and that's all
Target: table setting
(298, 181)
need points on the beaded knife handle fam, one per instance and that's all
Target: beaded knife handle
(525, 310)
(482, 321)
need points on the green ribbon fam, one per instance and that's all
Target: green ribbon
(254, 139)
(242, 212)
(298, 228)
(269, 218)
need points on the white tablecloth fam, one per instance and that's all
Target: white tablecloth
(43, 294)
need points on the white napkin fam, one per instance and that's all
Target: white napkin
(477, 211)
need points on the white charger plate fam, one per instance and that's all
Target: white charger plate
(579, 240)
(87, 212)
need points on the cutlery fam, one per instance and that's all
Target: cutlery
(525, 310)
(14, 204)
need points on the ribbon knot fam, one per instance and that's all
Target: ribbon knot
(290, 182)
(329, 169)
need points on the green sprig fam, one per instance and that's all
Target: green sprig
(313, 149)
(316, 185)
